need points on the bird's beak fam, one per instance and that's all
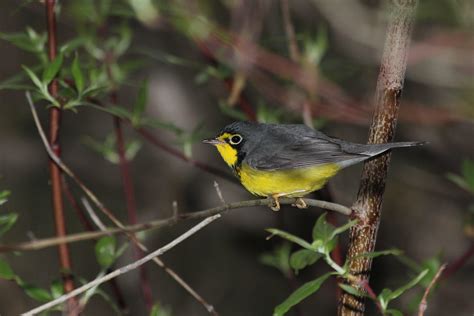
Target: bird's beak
(213, 141)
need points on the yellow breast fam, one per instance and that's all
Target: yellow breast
(292, 182)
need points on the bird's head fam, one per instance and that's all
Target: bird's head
(233, 140)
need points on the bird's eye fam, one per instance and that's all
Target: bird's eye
(235, 140)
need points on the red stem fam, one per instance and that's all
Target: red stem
(129, 193)
(75, 205)
(55, 173)
(458, 263)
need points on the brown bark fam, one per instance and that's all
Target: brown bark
(367, 207)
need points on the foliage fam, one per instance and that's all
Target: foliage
(324, 239)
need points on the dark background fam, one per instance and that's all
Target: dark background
(423, 212)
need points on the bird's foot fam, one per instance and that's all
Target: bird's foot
(300, 203)
(275, 204)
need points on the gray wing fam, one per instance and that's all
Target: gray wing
(298, 146)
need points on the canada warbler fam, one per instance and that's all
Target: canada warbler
(288, 160)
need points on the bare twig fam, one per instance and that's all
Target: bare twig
(93, 215)
(123, 269)
(107, 212)
(49, 242)
(81, 213)
(367, 207)
(219, 192)
(423, 304)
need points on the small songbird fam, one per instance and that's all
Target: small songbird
(288, 160)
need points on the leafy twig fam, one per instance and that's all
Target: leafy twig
(55, 172)
(423, 303)
(106, 211)
(123, 269)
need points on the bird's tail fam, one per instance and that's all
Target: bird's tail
(376, 149)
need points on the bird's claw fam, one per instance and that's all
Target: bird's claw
(275, 204)
(300, 203)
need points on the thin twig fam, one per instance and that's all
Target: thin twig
(423, 304)
(107, 212)
(219, 192)
(80, 212)
(93, 215)
(155, 224)
(123, 269)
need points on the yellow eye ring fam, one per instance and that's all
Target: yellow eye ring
(235, 139)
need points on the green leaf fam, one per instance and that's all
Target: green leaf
(279, 258)
(105, 251)
(34, 78)
(409, 285)
(36, 293)
(159, 310)
(459, 181)
(4, 196)
(351, 290)
(375, 254)
(303, 258)
(114, 110)
(388, 295)
(140, 104)
(384, 298)
(290, 237)
(432, 264)
(468, 173)
(132, 148)
(57, 289)
(394, 312)
(52, 69)
(266, 114)
(6, 222)
(300, 294)
(343, 228)
(77, 74)
(6, 272)
(322, 229)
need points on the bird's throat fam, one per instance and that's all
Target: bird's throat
(229, 154)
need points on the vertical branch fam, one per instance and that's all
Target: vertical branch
(367, 207)
(129, 193)
(55, 173)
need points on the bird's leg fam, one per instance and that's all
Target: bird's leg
(275, 203)
(300, 203)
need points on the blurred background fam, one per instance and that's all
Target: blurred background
(195, 66)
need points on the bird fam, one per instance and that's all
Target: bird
(288, 160)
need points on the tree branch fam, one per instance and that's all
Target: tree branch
(367, 207)
(155, 224)
(98, 203)
(123, 269)
(55, 172)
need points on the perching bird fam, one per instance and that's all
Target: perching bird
(288, 160)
